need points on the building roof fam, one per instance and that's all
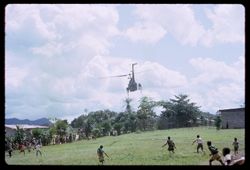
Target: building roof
(229, 110)
(23, 126)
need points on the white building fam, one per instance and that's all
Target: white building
(10, 130)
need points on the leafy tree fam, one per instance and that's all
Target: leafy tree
(106, 127)
(178, 112)
(167, 118)
(145, 114)
(96, 132)
(37, 133)
(186, 112)
(88, 125)
(45, 137)
(52, 131)
(19, 135)
(79, 122)
(128, 105)
(131, 122)
(61, 127)
(117, 127)
(218, 122)
(202, 120)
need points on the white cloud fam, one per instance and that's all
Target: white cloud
(57, 54)
(15, 76)
(145, 32)
(54, 44)
(46, 25)
(218, 85)
(158, 76)
(25, 21)
(224, 96)
(180, 21)
(177, 20)
(68, 95)
(50, 49)
(227, 24)
(212, 70)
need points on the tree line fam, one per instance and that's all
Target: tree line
(176, 113)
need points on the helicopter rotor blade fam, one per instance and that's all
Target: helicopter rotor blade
(123, 75)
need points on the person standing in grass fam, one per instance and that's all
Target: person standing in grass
(100, 154)
(8, 148)
(171, 145)
(214, 153)
(38, 147)
(236, 146)
(199, 142)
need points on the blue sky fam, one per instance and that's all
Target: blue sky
(55, 55)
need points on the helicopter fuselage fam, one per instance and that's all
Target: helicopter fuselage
(132, 86)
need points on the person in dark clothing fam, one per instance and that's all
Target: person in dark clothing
(214, 153)
(8, 148)
(100, 154)
(236, 146)
(171, 145)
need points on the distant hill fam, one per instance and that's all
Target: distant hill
(41, 122)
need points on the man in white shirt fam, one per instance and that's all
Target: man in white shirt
(199, 142)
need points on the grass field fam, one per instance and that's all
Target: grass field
(135, 149)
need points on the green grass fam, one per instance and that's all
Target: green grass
(135, 149)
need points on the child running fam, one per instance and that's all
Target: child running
(171, 145)
(214, 153)
(199, 142)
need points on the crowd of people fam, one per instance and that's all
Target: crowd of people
(34, 144)
(226, 158)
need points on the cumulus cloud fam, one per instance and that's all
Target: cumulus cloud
(218, 85)
(180, 21)
(211, 70)
(146, 32)
(48, 48)
(160, 76)
(58, 55)
(14, 76)
(227, 24)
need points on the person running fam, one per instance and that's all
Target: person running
(171, 145)
(214, 153)
(22, 148)
(199, 142)
(8, 148)
(100, 154)
(236, 146)
(29, 146)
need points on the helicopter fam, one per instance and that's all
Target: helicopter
(132, 85)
